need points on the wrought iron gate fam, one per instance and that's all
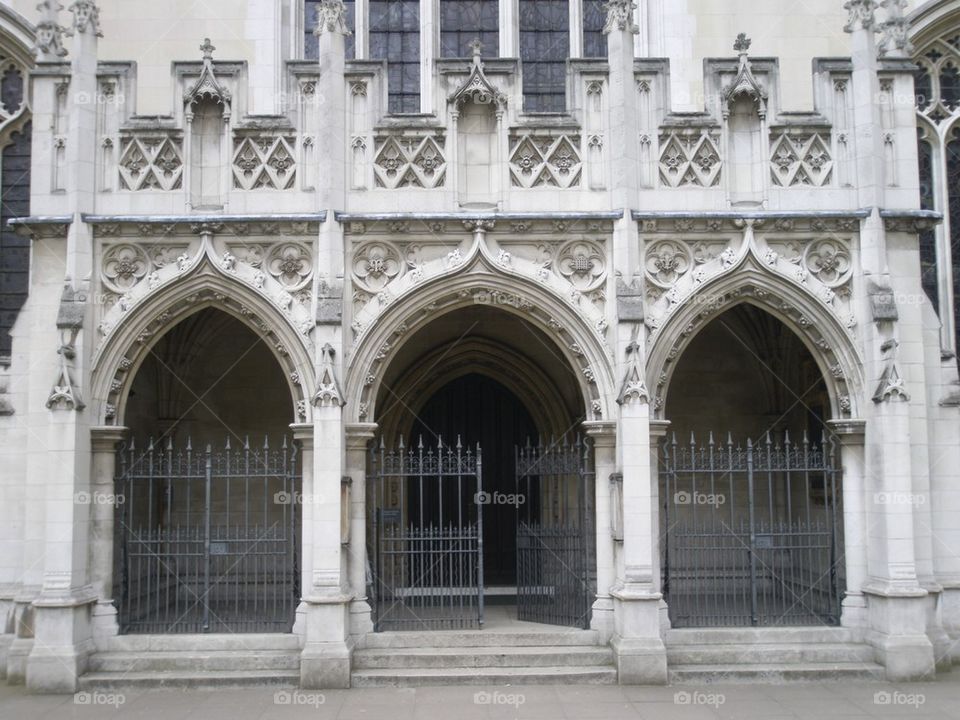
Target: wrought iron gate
(553, 531)
(751, 536)
(207, 541)
(427, 538)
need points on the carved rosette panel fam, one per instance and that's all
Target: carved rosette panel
(391, 260)
(409, 161)
(131, 273)
(545, 161)
(124, 266)
(801, 160)
(376, 265)
(689, 159)
(151, 162)
(264, 162)
(676, 269)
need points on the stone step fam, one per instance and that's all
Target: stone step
(483, 638)
(753, 636)
(482, 657)
(197, 660)
(189, 679)
(713, 654)
(203, 642)
(423, 677)
(774, 673)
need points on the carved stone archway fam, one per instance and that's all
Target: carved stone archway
(131, 340)
(480, 282)
(828, 341)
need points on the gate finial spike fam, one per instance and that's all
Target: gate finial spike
(786, 437)
(729, 438)
(768, 436)
(246, 442)
(806, 440)
(440, 442)
(133, 443)
(749, 443)
(459, 445)
(228, 442)
(169, 442)
(189, 444)
(284, 444)
(710, 441)
(420, 442)
(693, 440)
(266, 442)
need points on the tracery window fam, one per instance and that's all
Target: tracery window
(462, 21)
(14, 198)
(594, 39)
(310, 23)
(544, 49)
(937, 87)
(394, 36)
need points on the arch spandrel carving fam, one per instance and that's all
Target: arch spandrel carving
(121, 354)
(828, 341)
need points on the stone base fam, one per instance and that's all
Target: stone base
(898, 633)
(361, 618)
(5, 642)
(640, 662)
(601, 619)
(950, 617)
(325, 666)
(57, 670)
(105, 624)
(637, 644)
(17, 660)
(854, 611)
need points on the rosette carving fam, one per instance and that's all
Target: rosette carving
(582, 264)
(290, 264)
(376, 265)
(828, 261)
(667, 261)
(123, 267)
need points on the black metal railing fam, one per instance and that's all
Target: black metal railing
(751, 535)
(427, 537)
(554, 511)
(208, 541)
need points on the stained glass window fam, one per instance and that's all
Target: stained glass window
(395, 37)
(544, 49)
(310, 23)
(594, 39)
(928, 238)
(462, 21)
(14, 249)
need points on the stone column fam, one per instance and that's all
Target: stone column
(658, 431)
(63, 638)
(604, 434)
(105, 504)
(850, 434)
(303, 434)
(358, 436)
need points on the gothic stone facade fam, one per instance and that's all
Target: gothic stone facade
(354, 235)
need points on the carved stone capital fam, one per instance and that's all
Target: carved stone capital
(620, 16)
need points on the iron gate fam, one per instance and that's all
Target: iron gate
(427, 537)
(751, 535)
(207, 541)
(553, 533)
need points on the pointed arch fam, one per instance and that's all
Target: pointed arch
(480, 282)
(117, 361)
(827, 340)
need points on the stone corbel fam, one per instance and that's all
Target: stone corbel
(891, 382)
(328, 387)
(66, 394)
(633, 388)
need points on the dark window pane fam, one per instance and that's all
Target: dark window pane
(953, 189)
(310, 23)
(14, 252)
(594, 39)
(395, 37)
(928, 238)
(461, 21)
(544, 49)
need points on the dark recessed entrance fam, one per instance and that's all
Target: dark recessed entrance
(479, 410)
